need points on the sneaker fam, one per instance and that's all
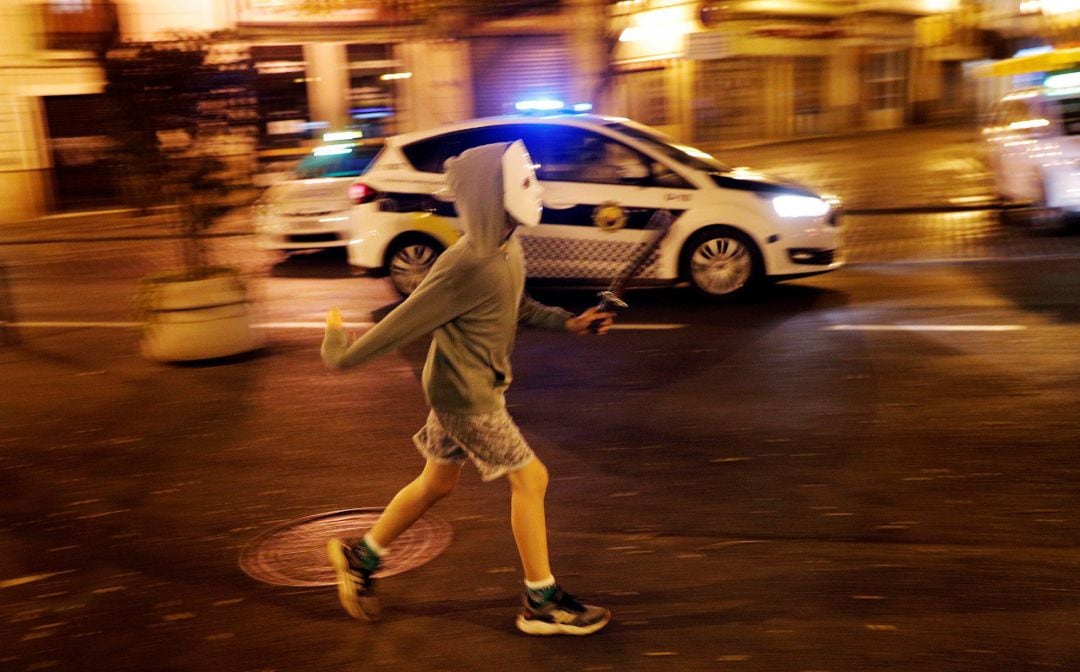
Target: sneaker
(563, 614)
(356, 587)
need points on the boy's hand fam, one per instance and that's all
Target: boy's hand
(334, 319)
(335, 340)
(581, 324)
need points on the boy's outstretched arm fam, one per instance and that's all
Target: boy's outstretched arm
(440, 298)
(536, 314)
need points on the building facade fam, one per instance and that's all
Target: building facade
(704, 71)
(374, 66)
(720, 71)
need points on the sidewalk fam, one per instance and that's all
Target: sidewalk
(918, 169)
(114, 224)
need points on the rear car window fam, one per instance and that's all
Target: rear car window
(349, 164)
(428, 155)
(563, 153)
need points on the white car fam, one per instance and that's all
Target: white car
(313, 209)
(602, 178)
(1033, 150)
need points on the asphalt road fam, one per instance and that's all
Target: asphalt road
(871, 470)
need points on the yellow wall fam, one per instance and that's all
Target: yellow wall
(30, 73)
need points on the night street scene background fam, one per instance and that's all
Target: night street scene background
(875, 468)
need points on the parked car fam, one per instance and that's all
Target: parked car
(313, 209)
(603, 178)
(1033, 151)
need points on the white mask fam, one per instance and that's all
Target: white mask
(521, 189)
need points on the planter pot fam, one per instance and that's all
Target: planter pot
(190, 319)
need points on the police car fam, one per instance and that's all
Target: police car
(312, 209)
(602, 178)
(1033, 151)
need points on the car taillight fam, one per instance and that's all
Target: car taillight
(360, 193)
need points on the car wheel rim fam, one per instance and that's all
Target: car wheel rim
(721, 265)
(409, 266)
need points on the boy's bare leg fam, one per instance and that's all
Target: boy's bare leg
(546, 609)
(356, 564)
(436, 481)
(528, 486)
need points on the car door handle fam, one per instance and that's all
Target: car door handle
(558, 205)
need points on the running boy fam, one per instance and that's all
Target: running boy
(471, 302)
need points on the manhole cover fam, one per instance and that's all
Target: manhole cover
(294, 554)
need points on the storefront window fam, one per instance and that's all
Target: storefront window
(649, 100)
(283, 98)
(373, 80)
(729, 98)
(886, 80)
(809, 94)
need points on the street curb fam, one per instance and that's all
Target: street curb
(119, 239)
(900, 210)
(854, 135)
(929, 209)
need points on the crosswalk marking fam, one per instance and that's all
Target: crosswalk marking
(925, 327)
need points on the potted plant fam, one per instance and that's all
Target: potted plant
(182, 108)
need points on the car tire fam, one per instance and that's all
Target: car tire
(408, 261)
(722, 263)
(1036, 216)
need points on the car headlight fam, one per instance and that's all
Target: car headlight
(790, 205)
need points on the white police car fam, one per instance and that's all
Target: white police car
(1033, 150)
(602, 177)
(312, 210)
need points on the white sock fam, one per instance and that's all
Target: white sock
(541, 584)
(375, 548)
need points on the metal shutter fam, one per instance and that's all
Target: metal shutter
(509, 69)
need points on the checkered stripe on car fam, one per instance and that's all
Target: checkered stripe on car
(550, 257)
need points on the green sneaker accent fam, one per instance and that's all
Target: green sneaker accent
(540, 596)
(356, 586)
(367, 557)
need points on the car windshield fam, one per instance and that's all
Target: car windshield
(684, 154)
(348, 162)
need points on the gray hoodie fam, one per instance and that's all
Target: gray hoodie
(471, 301)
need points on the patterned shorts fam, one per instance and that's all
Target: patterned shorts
(491, 440)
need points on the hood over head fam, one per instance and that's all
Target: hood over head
(475, 178)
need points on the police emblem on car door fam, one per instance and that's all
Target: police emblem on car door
(598, 196)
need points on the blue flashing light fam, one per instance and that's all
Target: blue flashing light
(539, 105)
(371, 112)
(551, 105)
